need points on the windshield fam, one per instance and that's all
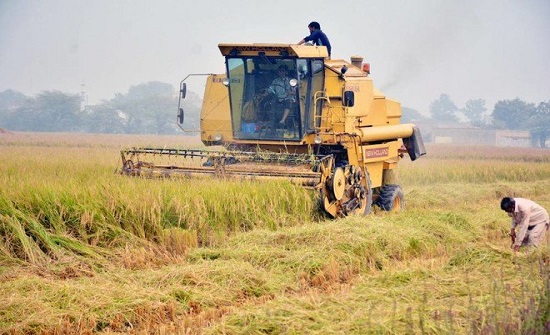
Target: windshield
(271, 96)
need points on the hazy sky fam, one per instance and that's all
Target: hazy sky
(418, 49)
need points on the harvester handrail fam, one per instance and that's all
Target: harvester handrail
(180, 99)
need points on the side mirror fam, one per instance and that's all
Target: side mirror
(349, 99)
(183, 90)
(180, 116)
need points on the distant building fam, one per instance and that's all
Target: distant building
(512, 138)
(476, 136)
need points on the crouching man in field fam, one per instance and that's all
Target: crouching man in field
(530, 218)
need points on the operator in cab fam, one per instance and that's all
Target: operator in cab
(285, 95)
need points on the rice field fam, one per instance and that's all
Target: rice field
(85, 250)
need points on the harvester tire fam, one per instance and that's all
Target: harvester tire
(368, 195)
(368, 207)
(390, 198)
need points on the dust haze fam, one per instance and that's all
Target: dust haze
(418, 50)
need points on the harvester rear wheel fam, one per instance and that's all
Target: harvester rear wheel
(390, 198)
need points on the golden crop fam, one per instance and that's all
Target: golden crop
(84, 249)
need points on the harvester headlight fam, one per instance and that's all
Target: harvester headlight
(225, 81)
(317, 139)
(218, 137)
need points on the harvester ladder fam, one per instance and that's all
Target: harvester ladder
(318, 115)
(328, 119)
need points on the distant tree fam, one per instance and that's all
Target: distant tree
(50, 111)
(149, 90)
(512, 114)
(10, 100)
(474, 110)
(539, 124)
(146, 108)
(104, 118)
(443, 110)
(150, 108)
(59, 111)
(410, 115)
(23, 118)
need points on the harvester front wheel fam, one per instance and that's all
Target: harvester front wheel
(348, 192)
(362, 193)
(390, 198)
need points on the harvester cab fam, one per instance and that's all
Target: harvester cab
(271, 89)
(290, 112)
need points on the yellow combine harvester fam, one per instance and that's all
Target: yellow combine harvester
(290, 112)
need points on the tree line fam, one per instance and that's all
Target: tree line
(514, 114)
(150, 108)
